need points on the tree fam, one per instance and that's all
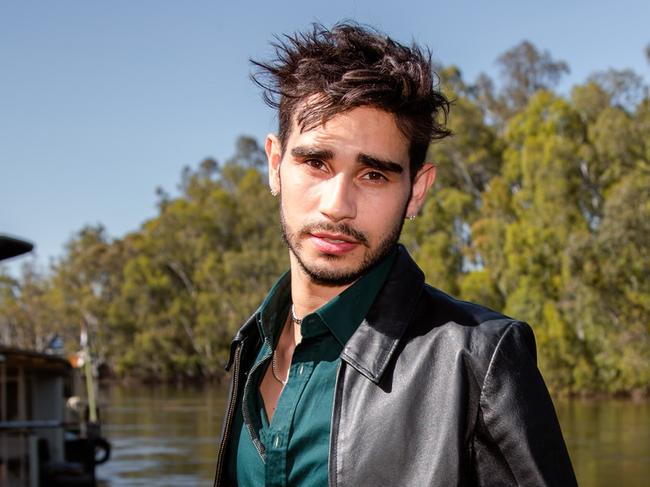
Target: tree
(199, 268)
(524, 70)
(624, 87)
(25, 314)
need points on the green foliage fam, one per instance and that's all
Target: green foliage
(541, 210)
(525, 70)
(542, 213)
(162, 302)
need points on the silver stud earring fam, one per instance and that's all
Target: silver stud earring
(274, 193)
(411, 217)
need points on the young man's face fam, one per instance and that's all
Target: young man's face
(345, 190)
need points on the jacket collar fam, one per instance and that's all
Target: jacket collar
(249, 326)
(371, 347)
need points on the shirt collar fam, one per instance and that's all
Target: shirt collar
(342, 314)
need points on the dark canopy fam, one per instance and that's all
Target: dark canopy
(11, 247)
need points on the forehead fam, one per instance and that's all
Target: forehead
(362, 130)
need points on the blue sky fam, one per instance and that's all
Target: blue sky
(101, 102)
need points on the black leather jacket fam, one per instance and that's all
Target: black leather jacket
(432, 391)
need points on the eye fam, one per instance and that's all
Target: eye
(315, 163)
(374, 176)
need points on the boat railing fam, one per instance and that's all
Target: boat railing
(31, 425)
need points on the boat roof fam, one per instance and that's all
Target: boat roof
(15, 357)
(11, 247)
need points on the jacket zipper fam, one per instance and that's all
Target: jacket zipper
(256, 441)
(229, 414)
(331, 458)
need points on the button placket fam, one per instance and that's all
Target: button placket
(277, 451)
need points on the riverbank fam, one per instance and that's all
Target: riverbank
(635, 395)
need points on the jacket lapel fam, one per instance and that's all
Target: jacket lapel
(371, 347)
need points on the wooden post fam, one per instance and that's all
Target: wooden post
(4, 474)
(90, 386)
(22, 416)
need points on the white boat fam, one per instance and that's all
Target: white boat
(46, 436)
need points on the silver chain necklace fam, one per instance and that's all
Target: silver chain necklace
(274, 367)
(297, 321)
(275, 374)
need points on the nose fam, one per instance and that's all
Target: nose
(337, 199)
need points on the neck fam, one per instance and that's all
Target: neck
(307, 295)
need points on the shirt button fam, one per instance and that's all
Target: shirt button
(301, 369)
(276, 442)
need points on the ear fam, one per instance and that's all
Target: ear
(424, 179)
(274, 157)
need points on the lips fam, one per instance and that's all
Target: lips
(332, 243)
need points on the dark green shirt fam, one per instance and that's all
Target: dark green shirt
(293, 449)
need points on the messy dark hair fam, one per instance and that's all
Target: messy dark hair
(348, 66)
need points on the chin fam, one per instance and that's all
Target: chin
(333, 277)
(334, 270)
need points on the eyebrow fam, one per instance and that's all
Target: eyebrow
(303, 152)
(388, 166)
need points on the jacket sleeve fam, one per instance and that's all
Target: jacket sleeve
(517, 439)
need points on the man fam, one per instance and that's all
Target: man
(353, 371)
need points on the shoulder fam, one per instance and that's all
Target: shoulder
(436, 308)
(462, 328)
(445, 307)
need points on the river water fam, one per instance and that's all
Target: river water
(167, 436)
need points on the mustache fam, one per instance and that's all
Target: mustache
(342, 228)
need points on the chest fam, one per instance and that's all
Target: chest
(289, 447)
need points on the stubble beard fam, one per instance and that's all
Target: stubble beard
(330, 276)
